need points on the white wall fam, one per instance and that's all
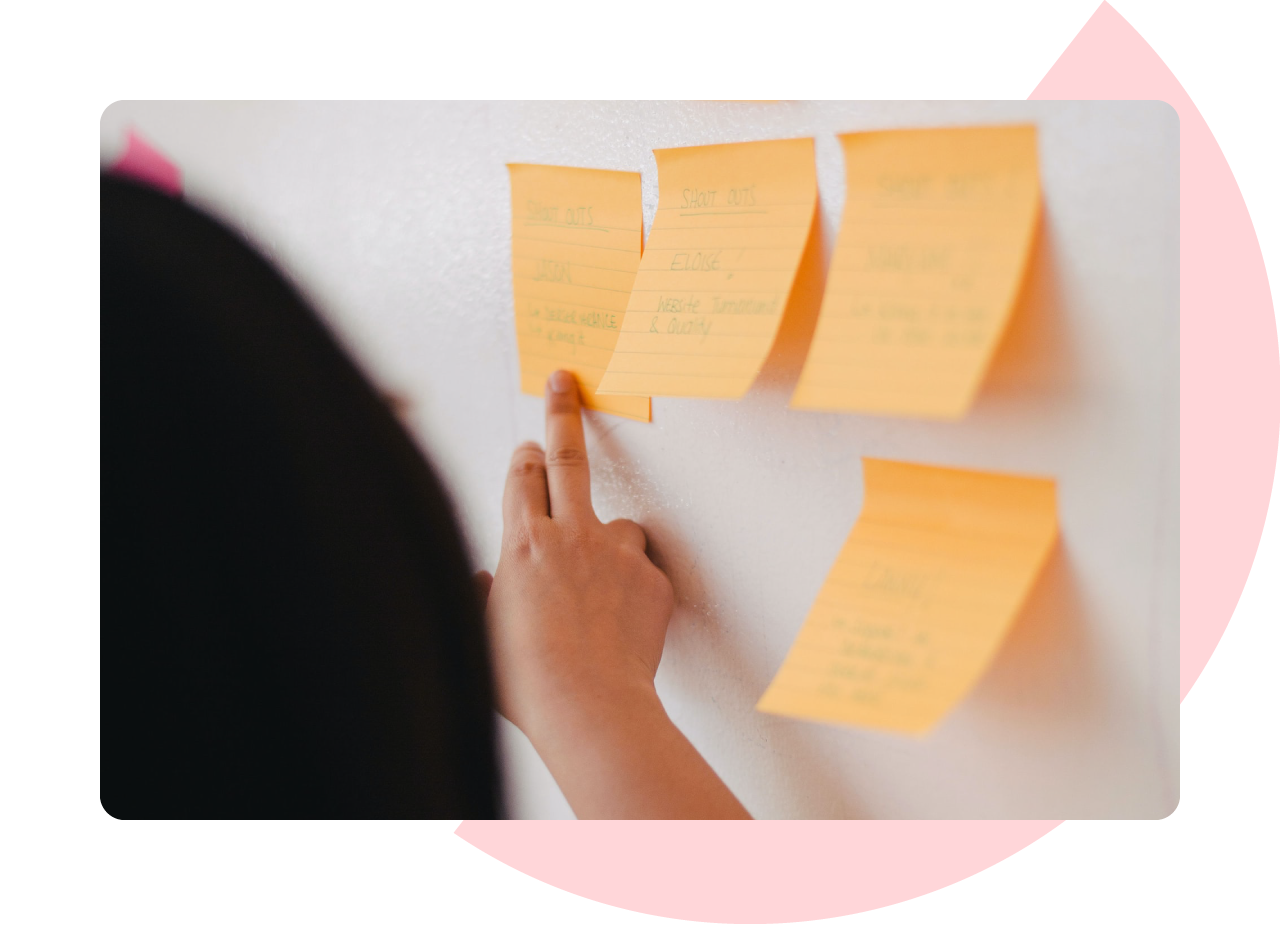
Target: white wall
(395, 218)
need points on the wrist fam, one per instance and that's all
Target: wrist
(569, 714)
(617, 755)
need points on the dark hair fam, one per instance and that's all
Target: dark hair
(289, 628)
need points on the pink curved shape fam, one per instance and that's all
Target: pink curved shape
(146, 164)
(751, 871)
(1109, 59)
(1229, 198)
(853, 870)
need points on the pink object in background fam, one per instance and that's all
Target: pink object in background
(1230, 397)
(853, 870)
(145, 164)
(751, 872)
(1109, 59)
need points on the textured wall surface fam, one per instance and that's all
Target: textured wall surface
(395, 219)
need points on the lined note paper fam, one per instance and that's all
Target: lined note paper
(937, 229)
(919, 599)
(727, 238)
(575, 248)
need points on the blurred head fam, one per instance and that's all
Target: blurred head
(288, 623)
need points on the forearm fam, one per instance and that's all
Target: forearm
(621, 757)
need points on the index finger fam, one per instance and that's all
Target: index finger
(568, 475)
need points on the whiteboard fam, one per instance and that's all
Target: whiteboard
(395, 220)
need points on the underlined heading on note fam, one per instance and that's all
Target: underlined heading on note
(937, 229)
(575, 249)
(731, 226)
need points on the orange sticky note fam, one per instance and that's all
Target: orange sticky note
(731, 226)
(938, 225)
(919, 599)
(575, 248)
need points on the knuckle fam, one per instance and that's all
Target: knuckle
(524, 467)
(527, 460)
(520, 542)
(566, 457)
(635, 560)
(630, 532)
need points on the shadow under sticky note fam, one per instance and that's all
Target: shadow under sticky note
(937, 229)
(722, 255)
(575, 248)
(927, 585)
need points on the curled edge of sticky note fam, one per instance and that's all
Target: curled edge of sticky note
(768, 701)
(787, 293)
(1017, 286)
(960, 403)
(632, 407)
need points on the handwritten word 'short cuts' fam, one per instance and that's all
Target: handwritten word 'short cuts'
(731, 226)
(921, 596)
(575, 248)
(937, 230)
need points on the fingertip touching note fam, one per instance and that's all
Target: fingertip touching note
(925, 589)
(722, 255)
(937, 229)
(575, 248)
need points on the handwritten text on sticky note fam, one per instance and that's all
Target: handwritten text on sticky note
(726, 241)
(575, 248)
(937, 228)
(919, 599)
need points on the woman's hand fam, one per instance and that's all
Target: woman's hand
(577, 612)
(577, 616)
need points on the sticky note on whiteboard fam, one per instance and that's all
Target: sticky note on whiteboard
(575, 248)
(927, 585)
(726, 241)
(937, 230)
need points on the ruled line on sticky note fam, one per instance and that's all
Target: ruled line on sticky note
(730, 229)
(575, 249)
(599, 247)
(920, 597)
(933, 245)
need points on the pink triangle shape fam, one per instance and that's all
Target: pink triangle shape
(146, 164)
(1109, 60)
